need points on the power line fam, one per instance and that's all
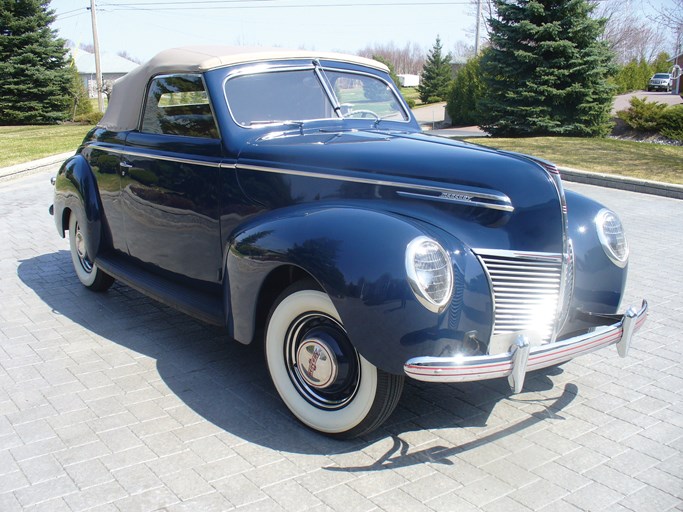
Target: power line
(216, 4)
(61, 15)
(358, 3)
(185, 2)
(62, 18)
(183, 5)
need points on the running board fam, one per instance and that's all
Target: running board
(198, 304)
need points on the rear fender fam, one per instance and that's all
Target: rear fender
(76, 191)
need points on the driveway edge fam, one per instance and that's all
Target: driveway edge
(34, 165)
(622, 182)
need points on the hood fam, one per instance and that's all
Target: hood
(462, 188)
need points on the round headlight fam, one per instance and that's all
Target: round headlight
(430, 273)
(612, 238)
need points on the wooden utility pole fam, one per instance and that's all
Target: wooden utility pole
(98, 69)
(476, 36)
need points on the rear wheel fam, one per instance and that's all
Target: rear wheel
(317, 371)
(87, 271)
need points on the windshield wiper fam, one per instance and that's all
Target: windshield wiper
(300, 124)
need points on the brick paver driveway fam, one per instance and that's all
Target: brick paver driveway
(114, 402)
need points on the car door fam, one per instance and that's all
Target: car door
(170, 182)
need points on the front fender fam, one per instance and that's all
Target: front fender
(76, 191)
(357, 256)
(598, 283)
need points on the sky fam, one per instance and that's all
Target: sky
(143, 28)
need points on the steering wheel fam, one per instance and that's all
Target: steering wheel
(363, 114)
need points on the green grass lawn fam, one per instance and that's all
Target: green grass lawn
(411, 93)
(656, 162)
(25, 143)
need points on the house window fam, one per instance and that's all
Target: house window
(179, 105)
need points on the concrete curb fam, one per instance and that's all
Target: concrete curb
(622, 182)
(568, 174)
(34, 165)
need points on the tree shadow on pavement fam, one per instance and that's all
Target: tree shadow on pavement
(227, 383)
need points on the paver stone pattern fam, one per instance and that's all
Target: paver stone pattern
(114, 402)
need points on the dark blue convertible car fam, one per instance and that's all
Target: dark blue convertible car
(290, 197)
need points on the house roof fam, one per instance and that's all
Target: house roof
(110, 63)
(128, 91)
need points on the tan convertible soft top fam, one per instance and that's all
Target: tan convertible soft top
(128, 93)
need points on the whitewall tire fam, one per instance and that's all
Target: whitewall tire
(87, 271)
(318, 373)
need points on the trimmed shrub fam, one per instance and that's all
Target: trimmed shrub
(643, 115)
(89, 118)
(672, 123)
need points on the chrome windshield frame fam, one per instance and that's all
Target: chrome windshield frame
(319, 70)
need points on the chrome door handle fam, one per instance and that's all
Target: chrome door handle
(124, 166)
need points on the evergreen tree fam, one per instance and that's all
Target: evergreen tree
(633, 76)
(80, 102)
(35, 80)
(436, 75)
(662, 63)
(392, 71)
(465, 94)
(547, 71)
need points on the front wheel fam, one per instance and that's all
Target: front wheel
(87, 271)
(319, 374)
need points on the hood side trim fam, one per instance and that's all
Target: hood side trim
(467, 196)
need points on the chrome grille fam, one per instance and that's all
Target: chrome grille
(526, 290)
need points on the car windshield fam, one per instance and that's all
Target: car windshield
(282, 96)
(661, 75)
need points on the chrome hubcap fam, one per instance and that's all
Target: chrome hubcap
(81, 250)
(317, 363)
(321, 361)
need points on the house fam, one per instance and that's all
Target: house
(407, 80)
(678, 59)
(113, 67)
(457, 63)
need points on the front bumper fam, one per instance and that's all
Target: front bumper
(522, 357)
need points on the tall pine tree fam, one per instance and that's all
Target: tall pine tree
(436, 75)
(546, 72)
(34, 75)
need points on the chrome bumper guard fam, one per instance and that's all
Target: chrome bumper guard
(523, 358)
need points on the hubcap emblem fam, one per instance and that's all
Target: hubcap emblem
(80, 244)
(317, 363)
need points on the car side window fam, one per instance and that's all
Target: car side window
(178, 105)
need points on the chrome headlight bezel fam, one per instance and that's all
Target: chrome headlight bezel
(612, 237)
(435, 302)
